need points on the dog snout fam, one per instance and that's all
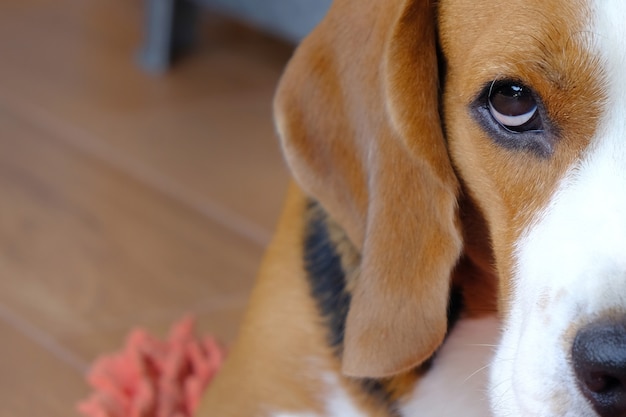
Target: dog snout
(599, 361)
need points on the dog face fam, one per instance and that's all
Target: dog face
(535, 136)
(536, 120)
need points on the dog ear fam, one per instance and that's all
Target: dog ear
(358, 115)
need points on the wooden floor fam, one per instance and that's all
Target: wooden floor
(125, 199)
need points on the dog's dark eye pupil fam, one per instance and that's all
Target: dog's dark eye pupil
(513, 100)
(514, 107)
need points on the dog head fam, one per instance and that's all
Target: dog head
(401, 116)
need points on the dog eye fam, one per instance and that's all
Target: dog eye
(514, 107)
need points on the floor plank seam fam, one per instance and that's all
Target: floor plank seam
(79, 139)
(43, 339)
(210, 306)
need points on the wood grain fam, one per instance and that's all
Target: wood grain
(195, 132)
(86, 247)
(34, 382)
(125, 199)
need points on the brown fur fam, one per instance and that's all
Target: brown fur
(278, 360)
(360, 153)
(358, 116)
(547, 52)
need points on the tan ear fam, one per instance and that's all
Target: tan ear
(358, 115)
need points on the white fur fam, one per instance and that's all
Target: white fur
(337, 401)
(571, 268)
(572, 261)
(456, 385)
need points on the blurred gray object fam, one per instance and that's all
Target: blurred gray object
(170, 24)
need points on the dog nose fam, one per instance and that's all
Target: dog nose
(599, 360)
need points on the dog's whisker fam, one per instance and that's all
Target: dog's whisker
(481, 345)
(476, 372)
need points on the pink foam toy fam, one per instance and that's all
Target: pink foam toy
(153, 378)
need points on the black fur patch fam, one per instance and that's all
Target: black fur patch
(455, 307)
(328, 280)
(326, 275)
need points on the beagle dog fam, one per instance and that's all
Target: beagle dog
(454, 243)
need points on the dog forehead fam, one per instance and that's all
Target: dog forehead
(491, 37)
(514, 16)
(548, 46)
